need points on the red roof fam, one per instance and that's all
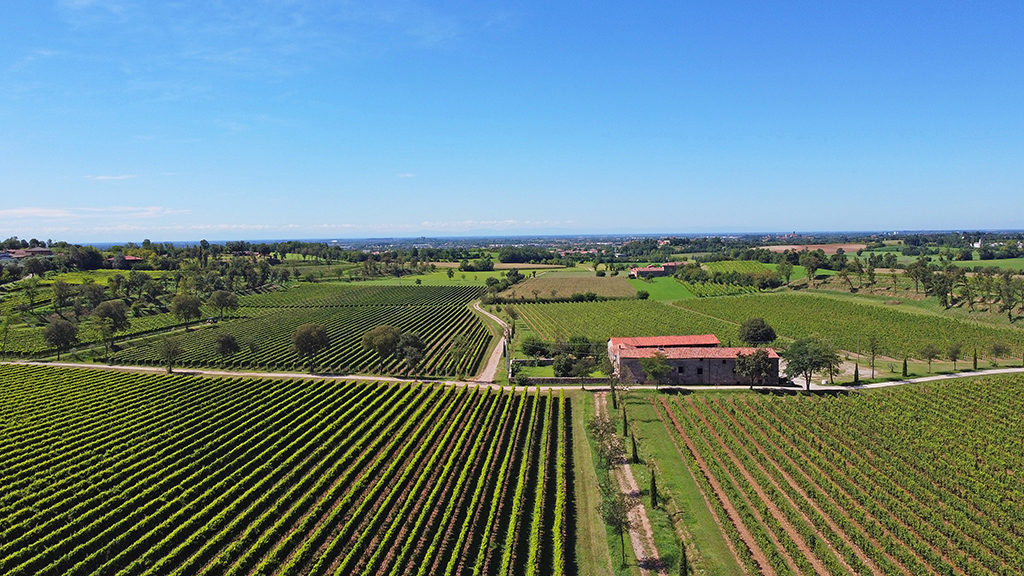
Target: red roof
(667, 341)
(692, 353)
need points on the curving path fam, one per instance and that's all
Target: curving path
(487, 374)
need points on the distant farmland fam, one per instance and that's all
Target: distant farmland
(550, 286)
(826, 248)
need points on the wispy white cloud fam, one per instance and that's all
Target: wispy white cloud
(40, 213)
(110, 177)
(35, 213)
(405, 175)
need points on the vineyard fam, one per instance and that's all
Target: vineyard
(599, 321)
(710, 289)
(741, 266)
(115, 473)
(437, 314)
(327, 295)
(919, 480)
(849, 324)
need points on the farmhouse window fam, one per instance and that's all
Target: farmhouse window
(682, 369)
(700, 370)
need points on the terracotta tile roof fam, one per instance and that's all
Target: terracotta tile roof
(667, 341)
(691, 353)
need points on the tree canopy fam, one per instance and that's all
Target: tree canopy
(60, 334)
(809, 355)
(223, 300)
(383, 340)
(186, 307)
(308, 340)
(757, 366)
(756, 332)
(656, 367)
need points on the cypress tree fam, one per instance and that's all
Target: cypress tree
(625, 424)
(975, 364)
(654, 491)
(684, 564)
(856, 374)
(636, 458)
(904, 367)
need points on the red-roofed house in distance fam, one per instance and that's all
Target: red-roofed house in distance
(695, 360)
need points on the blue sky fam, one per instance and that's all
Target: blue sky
(130, 119)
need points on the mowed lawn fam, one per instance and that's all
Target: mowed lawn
(665, 289)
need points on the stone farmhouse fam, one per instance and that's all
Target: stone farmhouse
(695, 360)
(666, 269)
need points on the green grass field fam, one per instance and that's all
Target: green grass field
(665, 289)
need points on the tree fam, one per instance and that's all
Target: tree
(31, 287)
(757, 366)
(998, 350)
(60, 334)
(953, 353)
(756, 332)
(809, 355)
(308, 340)
(223, 300)
(610, 450)
(227, 345)
(905, 373)
(562, 365)
(411, 349)
(654, 490)
(684, 564)
(93, 293)
(856, 373)
(169, 350)
(114, 318)
(785, 269)
(451, 273)
(383, 340)
(615, 507)
(873, 350)
(928, 353)
(534, 346)
(186, 308)
(974, 364)
(5, 329)
(642, 294)
(62, 293)
(656, 367)
(253, 346)
(812, 262)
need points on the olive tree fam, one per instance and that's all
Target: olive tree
(113, 318)
(383, 340)
(756, 332)
(308, 340)
(223, 300)
(186, 308)
(60, 334)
